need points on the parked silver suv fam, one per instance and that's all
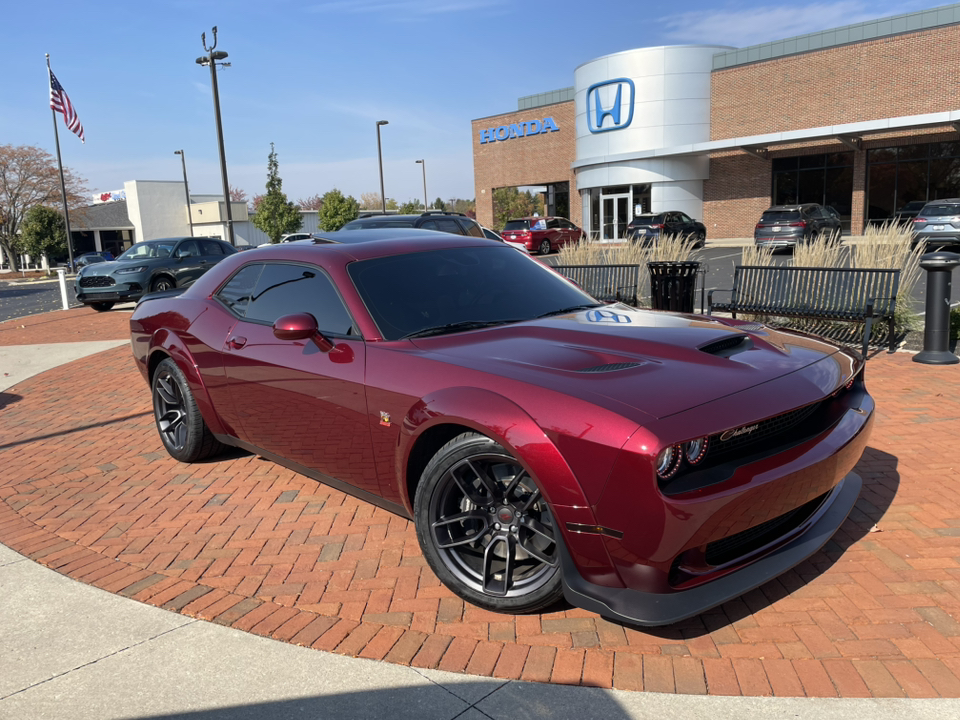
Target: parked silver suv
(938, 223)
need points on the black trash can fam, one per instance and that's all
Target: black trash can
(673, 285)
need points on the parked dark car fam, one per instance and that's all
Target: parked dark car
(650, 226)
(439, 220)
(908, 212)
(541, 234)
(784, 226)
(646, 465)
(89, 258)
(149, 266)
(938, 223)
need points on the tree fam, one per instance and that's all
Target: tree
(337, 210)
(254, 203)
(509, 203)
(43, 232)
(370, 201)
(276, 216)
(28, 177)
(391, 204)
(237, 194)
(438, 204)
(467, 207)
(413, 207)
(314, 202)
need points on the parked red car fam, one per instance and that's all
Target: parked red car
(646, 465)
(541, 234)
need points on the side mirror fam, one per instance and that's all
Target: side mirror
(301, 326)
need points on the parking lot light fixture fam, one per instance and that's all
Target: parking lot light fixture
(383, 198)
(423, 163)
(211, 59)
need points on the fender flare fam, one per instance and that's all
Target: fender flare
(171, 345)
(502, 420)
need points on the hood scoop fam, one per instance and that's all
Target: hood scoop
(726, 347)
(610, 367)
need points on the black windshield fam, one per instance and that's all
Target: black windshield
(409, 293)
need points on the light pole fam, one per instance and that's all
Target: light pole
(186, 188)
(383, 198)
(211, 60)
(423, 163)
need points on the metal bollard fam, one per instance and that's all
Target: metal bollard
(936, 328)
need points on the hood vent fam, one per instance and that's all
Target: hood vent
(610, 367)
(728, 346)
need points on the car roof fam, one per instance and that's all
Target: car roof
(944, 201)
(177, 238)
(372, 242)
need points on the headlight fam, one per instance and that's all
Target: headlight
(695, 450)
(668, 461)
(127, 271)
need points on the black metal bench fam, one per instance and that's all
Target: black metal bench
(859, 295)
(607, 283)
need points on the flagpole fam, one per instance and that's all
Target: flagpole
(63, 185)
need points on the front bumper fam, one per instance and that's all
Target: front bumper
(644, 608)
(122, 292)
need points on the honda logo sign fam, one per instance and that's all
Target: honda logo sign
(605, 105)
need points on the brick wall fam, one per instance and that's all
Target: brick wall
(902, 75)
(531, 160)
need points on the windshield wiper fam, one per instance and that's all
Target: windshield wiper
(455, 327)
(572, 308)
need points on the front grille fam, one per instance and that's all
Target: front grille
(764, 429)
(96, 281)
(727, 549)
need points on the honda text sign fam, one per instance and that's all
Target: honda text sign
(605, 105)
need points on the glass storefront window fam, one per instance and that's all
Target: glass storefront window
(896, 176)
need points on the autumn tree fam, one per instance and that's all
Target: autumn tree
(43, 233)
(314, 202)
(510, 203)
(237, 194)
(276, 216)
(337, 210)
(370, 201)
(29, 177)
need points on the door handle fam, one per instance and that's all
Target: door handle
(237, 342)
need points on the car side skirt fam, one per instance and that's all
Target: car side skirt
(318, 476)
(652, 609)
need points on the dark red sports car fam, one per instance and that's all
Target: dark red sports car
(646, 465)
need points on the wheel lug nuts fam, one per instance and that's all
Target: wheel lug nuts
(496, 526)
(513, 528)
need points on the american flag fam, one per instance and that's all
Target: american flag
(61, 103)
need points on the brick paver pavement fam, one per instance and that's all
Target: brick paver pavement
(88, 490)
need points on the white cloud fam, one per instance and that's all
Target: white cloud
(743, 26)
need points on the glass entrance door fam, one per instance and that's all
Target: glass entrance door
(614, 216)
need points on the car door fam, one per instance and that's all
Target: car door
(188, 262)
(291, 398)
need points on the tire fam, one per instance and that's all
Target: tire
(544, 247)
(102, 306)
(701, 239)
(485, 529)
(182, 430)
(162, 283)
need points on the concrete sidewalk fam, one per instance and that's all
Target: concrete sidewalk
(71, 650)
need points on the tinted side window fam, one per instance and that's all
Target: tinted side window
(472, 228)
(188, 249)
(237, 292)
(552, 224)
(285, 289)
(212, 247)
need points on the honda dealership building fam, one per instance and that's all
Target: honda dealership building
(864, 118)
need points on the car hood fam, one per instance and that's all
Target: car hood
(653, 362)
(111, 266)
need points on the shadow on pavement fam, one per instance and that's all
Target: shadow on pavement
(9, 399)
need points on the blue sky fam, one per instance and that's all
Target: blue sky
(314, 77)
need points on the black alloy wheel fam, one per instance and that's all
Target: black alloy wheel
(184, 433)
(544, 248)
(701, 238)
(162, 283)
(101, 306)
(485, 528)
